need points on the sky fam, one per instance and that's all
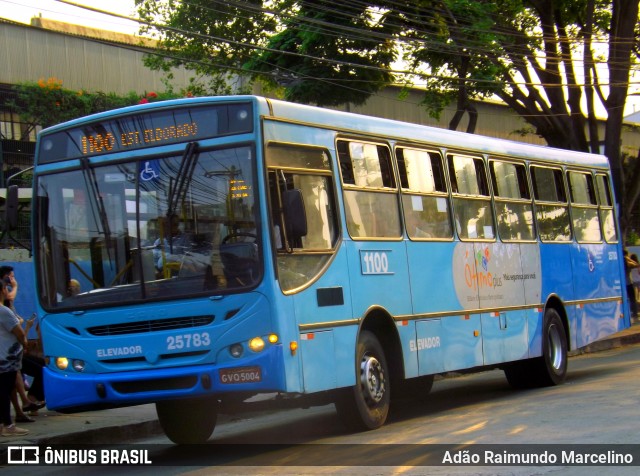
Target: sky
(24, 10)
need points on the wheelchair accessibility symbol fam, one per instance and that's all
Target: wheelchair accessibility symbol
(149, 172)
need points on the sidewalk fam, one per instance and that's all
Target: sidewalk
(125, 424)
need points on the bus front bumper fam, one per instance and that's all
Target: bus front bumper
(74, 391)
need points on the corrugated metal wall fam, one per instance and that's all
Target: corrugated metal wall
(29, 53)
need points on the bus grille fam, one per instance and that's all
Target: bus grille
(155, 385)
(151, 326)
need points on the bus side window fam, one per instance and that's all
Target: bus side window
(473, 213)
(370, 192)
(424, 198)
(512, 200)
(584, 207)
(605, 203)
(346, 167)
(552, 211)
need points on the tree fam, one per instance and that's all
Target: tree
(551, 61)
(212, 38)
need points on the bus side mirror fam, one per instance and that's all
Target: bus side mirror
(11, 208)
(294, 214)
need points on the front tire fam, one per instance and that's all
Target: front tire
(365, 406)
(189, 421)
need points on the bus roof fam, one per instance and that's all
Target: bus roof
(398, 130)
(347, 122)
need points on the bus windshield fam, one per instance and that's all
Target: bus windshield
(153, 228)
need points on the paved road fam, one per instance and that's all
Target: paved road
(599, 404)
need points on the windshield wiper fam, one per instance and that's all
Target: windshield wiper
(96, 201)
(183, 177)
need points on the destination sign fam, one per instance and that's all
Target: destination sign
(147, 129)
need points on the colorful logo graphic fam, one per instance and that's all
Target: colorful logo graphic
(478, 275)
(482, 259)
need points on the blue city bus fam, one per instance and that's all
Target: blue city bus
(199, 252)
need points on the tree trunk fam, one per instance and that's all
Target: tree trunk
(623, 22)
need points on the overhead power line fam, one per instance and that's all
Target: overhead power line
(401, 73)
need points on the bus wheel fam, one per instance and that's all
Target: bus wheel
(365, 406)
(552, 366)
(549, 369)
(188, 421)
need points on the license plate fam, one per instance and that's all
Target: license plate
(240, 375)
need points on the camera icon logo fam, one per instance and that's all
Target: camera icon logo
(23, 455)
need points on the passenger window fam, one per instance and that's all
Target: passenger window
(552, 210)
(424, 198)
(607, 218)
(548, 185)
(473, 214)
(586, 221)
(370, 192)
(514, 209)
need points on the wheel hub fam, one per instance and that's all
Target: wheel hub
(555, 347)
(372, 379)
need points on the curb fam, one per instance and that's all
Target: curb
(106, 435)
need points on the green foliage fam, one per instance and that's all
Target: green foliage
(295, 57)
(212, 39)
(47, 103)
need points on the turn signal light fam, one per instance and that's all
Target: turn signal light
(62, 363)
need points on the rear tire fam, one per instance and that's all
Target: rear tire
(552, 366)
(548, 369)
(188, 421)
(365, 406)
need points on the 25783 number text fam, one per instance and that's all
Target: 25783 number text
(188, 341)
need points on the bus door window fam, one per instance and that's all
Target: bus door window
(424, 198)
(607, 218)
(552, 211)
(471, 200)
(513, 202)
(584, 207)
(301, 257)
(370, 192)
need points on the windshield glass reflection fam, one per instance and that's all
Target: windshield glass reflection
(158, 228)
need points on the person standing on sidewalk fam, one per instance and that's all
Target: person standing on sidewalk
(629, 265)
(12, 341)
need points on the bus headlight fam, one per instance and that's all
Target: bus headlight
(256, 344)
(62, 363)
(78, 365)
